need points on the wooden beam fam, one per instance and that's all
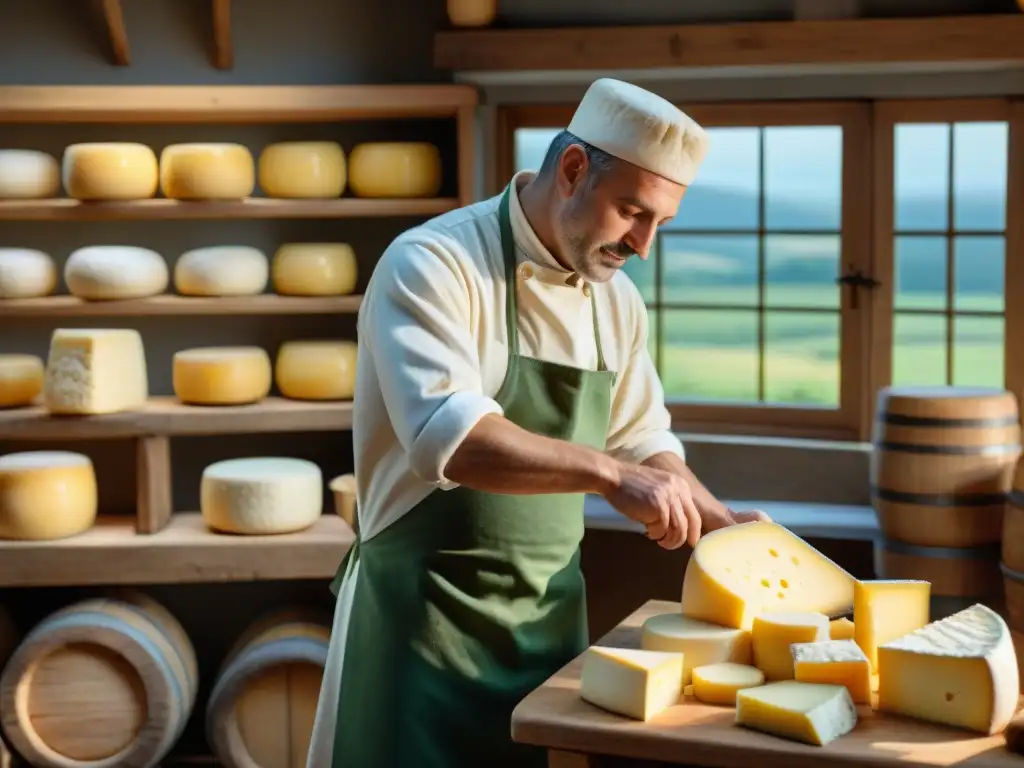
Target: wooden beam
(992, 38)
(223, 51)
(113, 19)
(805, 10)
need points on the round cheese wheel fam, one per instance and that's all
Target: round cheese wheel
(105, 272)
(46, 495)
(316, 370)
(26, 174)
(472, 13)
(26, 273)
(395, 169)
(21, 380)
(207, 172)
(261, 495)
(314, 269)
(221, 375)
(110, 171)
(221, 270)
(302, 169)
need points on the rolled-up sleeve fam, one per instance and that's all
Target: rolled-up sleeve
(416, 321)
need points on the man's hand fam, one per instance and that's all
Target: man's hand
(660, 500)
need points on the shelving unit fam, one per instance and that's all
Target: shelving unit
(266, 304)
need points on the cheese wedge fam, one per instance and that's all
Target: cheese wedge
(774, 633)
(699, 642)
(631, 682)
(719, 683)
(809, 712)
(841, 629)
(885, 610)
(836, 662)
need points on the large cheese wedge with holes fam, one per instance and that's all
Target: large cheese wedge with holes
(885, 610)
(221, 375)
(836, 662)
(26, 273)
(110, 171)
(959, 671)
(27, 174)
(700, 643)
(207, 172)
(630, 682)
(395, 169)
(719, 683)
(317, 370)
(222, 270)
(314, 269)
(775, 631)
(812, 713)
(46, 495)
(93, 371)
(115, 272)
(302, 169)
(262, 495)
(737, 572)
(21, 379)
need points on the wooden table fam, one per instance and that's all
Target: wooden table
(579, 735)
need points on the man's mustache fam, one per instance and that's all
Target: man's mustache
(619, 249)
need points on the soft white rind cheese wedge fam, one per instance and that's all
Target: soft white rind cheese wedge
(261, 495)
(26, 273)
(773, 634)
(809, 712)
(46, 495)
(93, 371)
(699, 642)
(110, 171)
(317, 370)
(630, 682)
(113, 272)
(27, 174)
(221, 375)
(395, 169)
(207, 172)
(302, 169)
(885, 610)
(314, 269)
(959, 671)
(836, 662)
(21, 379)
(719, 683)
(222, 270)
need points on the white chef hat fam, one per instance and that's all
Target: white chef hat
(641, 128)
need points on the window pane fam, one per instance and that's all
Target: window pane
(980, 155)
(726, 193)
(919, 350)
(920, 272)
(710, 355)
(803, 177)
(801, 358)
(979, 271)
(531, 146)
(921, 176)
(709, 270)
(642, 273)
(978, 351)
(801, 270)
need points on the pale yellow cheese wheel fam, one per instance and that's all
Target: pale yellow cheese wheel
(110, 171)
(316, 370)
(472, 13)
(46, 495)
(395, 169)
(302, 169)
(314, 269)
(207, 172)
(27, 174)
(221, 375)
(21, 379)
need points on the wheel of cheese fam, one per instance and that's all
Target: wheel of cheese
(395, 169)
(110, 171)
(316, 370)
(26, 174)
(261, 495)
(344, 489)
(46, 495)
(91, 371)
(472, 13)
(207, 172)
(21, 380)
(314, 269)
(302, 169)
(222, 270)
(26, 273)
(110, 272)
(221, 375)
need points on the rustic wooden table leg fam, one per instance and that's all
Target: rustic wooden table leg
(560, 759)
(153, 483)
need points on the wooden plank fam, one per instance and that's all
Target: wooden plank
(117, 33)
(223, 50)
(264, 304)
(154, 499)
(184, 552)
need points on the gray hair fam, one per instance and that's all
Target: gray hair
(600, 162)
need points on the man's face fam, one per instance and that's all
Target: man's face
(605, 219)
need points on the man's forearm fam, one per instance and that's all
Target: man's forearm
(714, 513)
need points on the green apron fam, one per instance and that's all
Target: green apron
(471, 600)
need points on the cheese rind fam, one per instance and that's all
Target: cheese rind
(27, 174)
(395, 169)
(836, 662)
(885, 610)
(21, 379)
(46, 495)
(222, 270)
(841, 629)
(772, 635)
(316, 370)
(110, 171)
(700, 643)
(811, 713)
(26, 273)
(634, 683)
(94, 371)
(314, 269)
(220, 171)
(302, 169)
(719, 683)
(221, 375)
(115, 272)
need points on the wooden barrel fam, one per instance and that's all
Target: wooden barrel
(1013, 584)
(1013, 522)
(8, 640)
(261, 710)
(943, 462)
(107, 683)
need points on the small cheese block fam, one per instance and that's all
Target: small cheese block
(26, 273)
(774, 632)
(207, 172)
(21, 379)
(395, 169)
(885, 610)
(630, 682)
(316, 370)
(314, 269)
(472, 13)
(222, 270)
(719, 683)
(221, 375)
(93, 371)
(700, 643)
(110, 171)
(115, 272)
(837, 662)
(264, 495)
(46, 495)
(959, 671)
(302, 169)
(812, 713)
(739, 571)
(841, 629)
(27, 174)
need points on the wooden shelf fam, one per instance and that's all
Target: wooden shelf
(166, 416)
(183, 552)
(264, 304)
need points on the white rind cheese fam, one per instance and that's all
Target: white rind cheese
(94, 371)
(21, 379)
(46, 495)
(115, 272)
(221, 171)
(26, 273)
(222, 270)
(630, 682)
(27, 174)
(302, 169)
(808, 712)
(110, 171)
(700, 643)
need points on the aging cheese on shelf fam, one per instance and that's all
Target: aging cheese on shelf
(314, 269)
(719, 683)
(21, 379)
(222, 270)
(26, 273)
(262, 495)
(302, 169)
(46, 495)
(737, 572)
(207, 172)
(959, 671)
(700, 643)
(841, 629)
(395, 169)
(110, 171)
(27, 174)
(773, 634)
(472, 13)
(93, 371)
(221, 375)
(885, 610)
(837, 662)
(115, 272)
(316, 370)
(630, 682)
(812, 713)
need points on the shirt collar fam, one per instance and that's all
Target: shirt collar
(529, 245)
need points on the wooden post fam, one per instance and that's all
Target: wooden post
(153, 502)
(559, 759)
(466, 127)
